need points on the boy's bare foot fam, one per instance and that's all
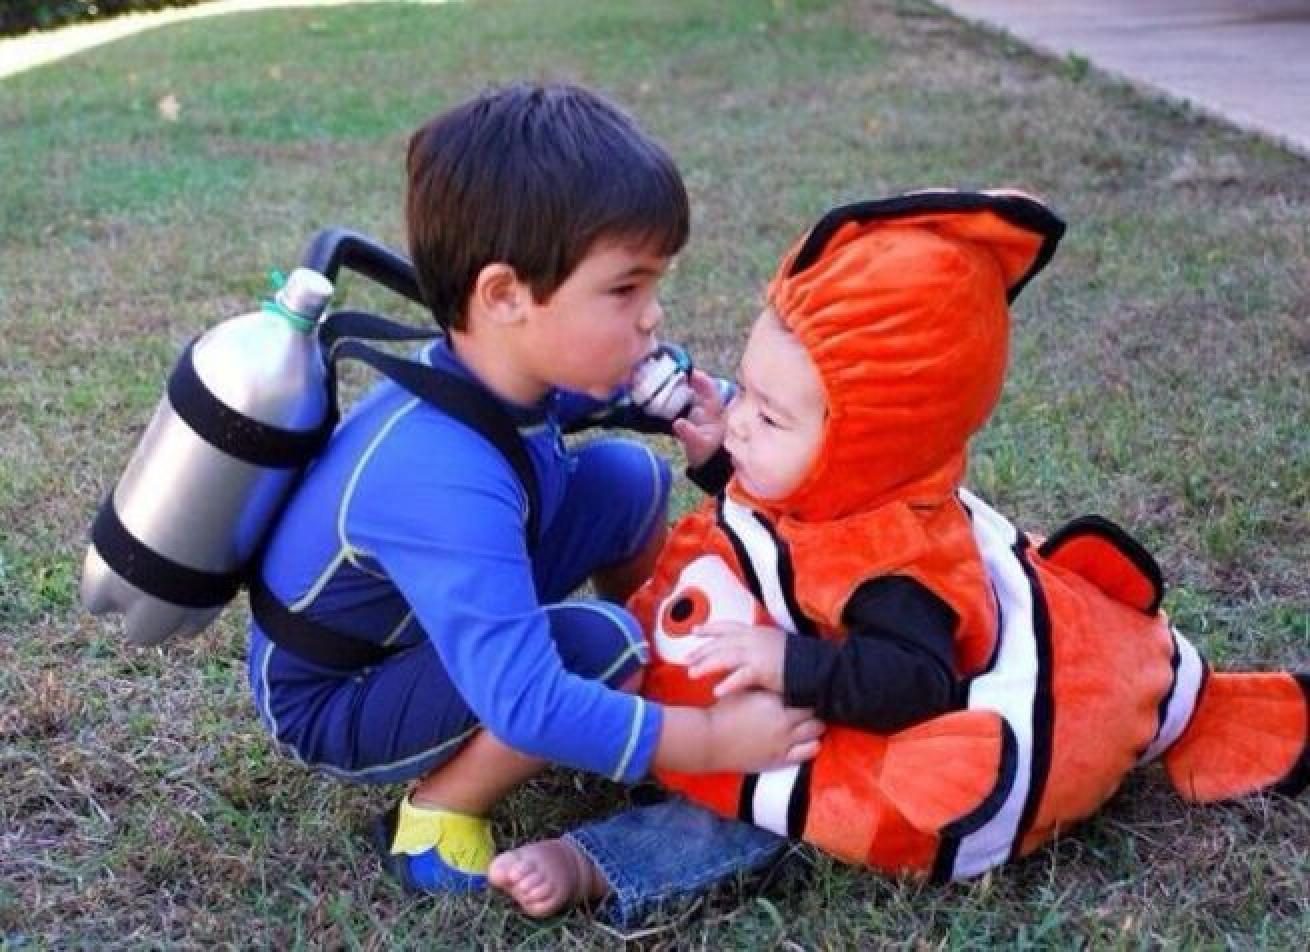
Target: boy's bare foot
(545, 877)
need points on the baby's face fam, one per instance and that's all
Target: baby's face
(775, 423)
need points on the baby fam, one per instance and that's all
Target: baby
(983, 688)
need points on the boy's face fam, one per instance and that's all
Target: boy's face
(775, 423)
(600, 322)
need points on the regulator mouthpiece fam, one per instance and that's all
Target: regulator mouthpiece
(661, 383)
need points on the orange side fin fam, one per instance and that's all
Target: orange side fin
(1250, 733)
(1112, 560)
(945, 768)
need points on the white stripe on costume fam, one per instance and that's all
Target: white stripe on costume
(1009, 687)
(773, 791)
(763, 554)
(1183, 695)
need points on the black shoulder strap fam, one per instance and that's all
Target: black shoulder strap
(340, 335)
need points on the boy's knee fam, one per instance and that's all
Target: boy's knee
(600, 641)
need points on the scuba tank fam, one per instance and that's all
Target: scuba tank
(249, 404)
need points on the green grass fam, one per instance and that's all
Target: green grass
(1159, 377)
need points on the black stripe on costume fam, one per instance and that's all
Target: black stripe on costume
(746, 801)
(1018, 210)
(1298, 778)
(155, 574)
(943, 867)
(234, 433)
(1043, 699)
(798, 804)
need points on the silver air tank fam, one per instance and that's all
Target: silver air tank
(247, 406)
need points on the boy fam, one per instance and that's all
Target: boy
(540, 222)
(983, 689)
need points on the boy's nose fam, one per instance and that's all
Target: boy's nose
(652, 316)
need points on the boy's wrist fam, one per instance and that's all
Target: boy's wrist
(713, 742)
(687, 740)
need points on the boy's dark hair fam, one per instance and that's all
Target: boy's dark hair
(532, 176)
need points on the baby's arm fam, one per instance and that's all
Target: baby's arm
(894, 669)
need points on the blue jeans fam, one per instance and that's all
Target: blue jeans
(657, 855)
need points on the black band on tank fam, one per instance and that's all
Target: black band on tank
(156, 574)
(234, 433)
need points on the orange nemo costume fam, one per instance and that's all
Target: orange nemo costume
(1070, 672)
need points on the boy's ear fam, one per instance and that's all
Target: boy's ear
(499, 294)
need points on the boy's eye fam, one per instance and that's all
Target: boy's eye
(623, 290)
(767, 420)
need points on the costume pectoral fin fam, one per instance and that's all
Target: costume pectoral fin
(945, 769)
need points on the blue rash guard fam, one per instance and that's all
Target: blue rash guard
(409, 531)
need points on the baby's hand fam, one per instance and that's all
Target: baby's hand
(752, 656)
(701, 430)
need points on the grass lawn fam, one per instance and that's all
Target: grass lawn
(1159, 377)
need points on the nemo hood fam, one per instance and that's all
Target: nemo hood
(902, 305)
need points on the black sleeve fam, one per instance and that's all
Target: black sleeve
(895, 668)
(712, 475)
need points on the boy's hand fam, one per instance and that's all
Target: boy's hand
(701, 430)
(753, 731)
(751, 654)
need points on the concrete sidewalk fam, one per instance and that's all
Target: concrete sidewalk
(1244, 61)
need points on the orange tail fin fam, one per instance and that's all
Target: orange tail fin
(1250, 732)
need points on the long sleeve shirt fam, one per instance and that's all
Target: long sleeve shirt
(895, 667)
(410, 527)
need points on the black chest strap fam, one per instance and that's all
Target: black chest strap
(454, 396)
